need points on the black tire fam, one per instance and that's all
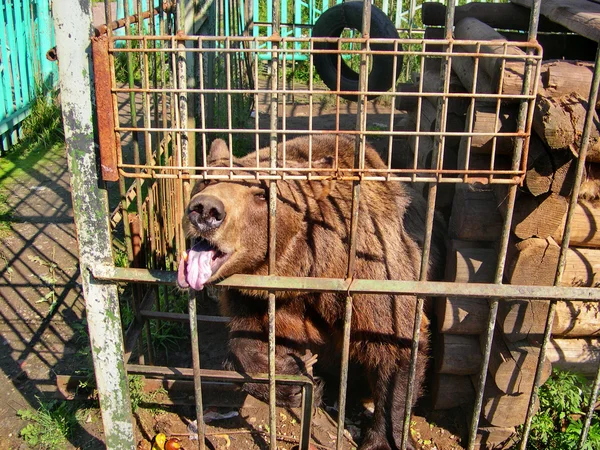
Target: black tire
(349, 15)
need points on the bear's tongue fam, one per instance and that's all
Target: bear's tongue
(196, 271)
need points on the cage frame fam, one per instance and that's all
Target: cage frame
(100, 274)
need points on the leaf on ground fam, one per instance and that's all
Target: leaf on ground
(226, 437)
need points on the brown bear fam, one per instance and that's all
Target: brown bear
(229, 220)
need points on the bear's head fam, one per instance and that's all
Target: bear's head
(229, 220)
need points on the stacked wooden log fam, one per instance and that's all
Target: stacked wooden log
(479, 210)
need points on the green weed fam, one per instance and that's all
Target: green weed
(50, 426)
(43, 128)
(129, 65)
(138, 396)
(167, 335)
(8, 271)
(120, 257)
(50, 279)
(559, 421)
(300, 72)
(5, 216)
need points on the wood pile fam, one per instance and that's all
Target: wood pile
(476, 212)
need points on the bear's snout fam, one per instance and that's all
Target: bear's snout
(206, 212)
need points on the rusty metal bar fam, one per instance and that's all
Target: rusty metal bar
(395, 71)
(216, 375)
(72, 22)
(105, 122)
(180, 391)
(274, 112)
(346, 132)
(593, 97)
(520, 154)
(591, 410)
(307, 412)
(344, 371)
(436, 163)
(356, 286)
(421, 179)
(181, 317)
(287, 91)
(135, 328)
(359, 156)
(197, 371)
(352, 51)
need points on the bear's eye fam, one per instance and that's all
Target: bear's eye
(259, 194)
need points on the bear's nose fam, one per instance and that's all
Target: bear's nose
(206, 212)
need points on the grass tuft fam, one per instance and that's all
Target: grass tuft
(5, 216)
(43, 128)
(559, 421)
(50, 426)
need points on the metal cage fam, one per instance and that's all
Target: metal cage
(153, 135)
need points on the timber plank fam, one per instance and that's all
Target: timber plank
(579, 16)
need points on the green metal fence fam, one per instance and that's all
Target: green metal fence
(26, 34)
(298, 17)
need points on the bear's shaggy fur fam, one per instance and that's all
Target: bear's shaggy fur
(230, 219)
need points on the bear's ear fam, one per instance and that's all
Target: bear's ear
(218, 150)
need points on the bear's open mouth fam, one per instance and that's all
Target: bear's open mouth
(202, 262)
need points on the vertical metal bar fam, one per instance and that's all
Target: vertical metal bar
(359, 154)
(344, 373)
(411, 17)
(193, 14)
(593, 97)
(133, 113)
(359, 149)
(192, 307)
(72, 22)
(147, 220)
(524, 110)
(272, 218)
(307, 411)
(436, 163)
(115, 112)
(392, 110)
(184, 192)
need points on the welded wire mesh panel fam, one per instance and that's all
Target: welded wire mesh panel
(236, 118)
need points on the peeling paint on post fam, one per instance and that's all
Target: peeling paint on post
(72, 21)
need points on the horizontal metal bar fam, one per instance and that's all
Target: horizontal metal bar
(215, 375)
(340, 41)
(357, 286)
(180, 392)
(473, 176)
(324, 90)
(317, 132)
(181, 317)
(334, 173)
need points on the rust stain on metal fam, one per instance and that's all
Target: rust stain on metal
(106, 121)
(120, 23)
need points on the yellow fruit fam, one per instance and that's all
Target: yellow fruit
(159, 441)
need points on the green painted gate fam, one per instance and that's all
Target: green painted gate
(26, 34)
